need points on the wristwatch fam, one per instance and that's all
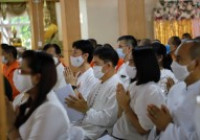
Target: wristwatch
(74, 87)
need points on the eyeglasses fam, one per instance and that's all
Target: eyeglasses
(23, 72)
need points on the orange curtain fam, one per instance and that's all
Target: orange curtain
(163, 29)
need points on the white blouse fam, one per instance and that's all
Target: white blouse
(165, 74)
(141, 97)
(48, 122)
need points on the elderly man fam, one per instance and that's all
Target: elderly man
(174, 121)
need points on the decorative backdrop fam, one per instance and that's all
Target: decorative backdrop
(175, 18)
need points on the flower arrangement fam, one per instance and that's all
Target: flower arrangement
(177, 10)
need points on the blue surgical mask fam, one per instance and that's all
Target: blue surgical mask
(120, 53)
(4, 60)
(168, 48)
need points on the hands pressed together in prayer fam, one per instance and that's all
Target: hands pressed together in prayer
(77, 102)
(159, 116)
(69, 76)
(123, 98)
(170, 83)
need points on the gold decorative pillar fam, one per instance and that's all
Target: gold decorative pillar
(37, 25)
(70, 25)
(132, 18)
(3, 128)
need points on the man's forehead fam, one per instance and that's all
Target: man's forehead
(122, 42)
(184, 47)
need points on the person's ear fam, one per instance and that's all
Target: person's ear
(194, 64)
(160, 59)
(36, 79)
(197, 63)
(107, 67)
(130, 48)
(85, 56)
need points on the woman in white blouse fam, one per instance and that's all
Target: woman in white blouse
(167, 77)
(133, 122)
(41, 117)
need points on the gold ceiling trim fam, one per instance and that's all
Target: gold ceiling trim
(25, 0)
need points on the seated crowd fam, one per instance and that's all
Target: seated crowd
(141, 90)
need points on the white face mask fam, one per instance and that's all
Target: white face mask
(76, 61)
(23, 83)
(4, 60)
(56, 61)
(120, 53)
(97, 70)
(131, 71)
(180, 72)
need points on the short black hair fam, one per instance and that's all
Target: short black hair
(156, 41)
(55, 46)
(93, 42)
(145, 42)
(28, 55)
(186, 36)
(86, 47)
(160, 50)
(197, 38)
(146, 64)
(176, 41)
(10, 50)
(131, 40)
(107, 54)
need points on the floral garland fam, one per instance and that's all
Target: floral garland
(177, 10)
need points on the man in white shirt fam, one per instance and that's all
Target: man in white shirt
(55, 51)
(126, 44)
(80, 59)
(101, 108)
(197, 117)
(176, 123)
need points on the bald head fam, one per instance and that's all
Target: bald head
(187, 52)
(183, 53)
(195, 49)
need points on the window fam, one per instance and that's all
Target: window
(23, 26)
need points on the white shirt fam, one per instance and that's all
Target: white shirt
(197, 120)
(165, 74)
(85, 82)
(103, 108)
(141, 96)
(182, 104)
(60, 77)
(123, 76)
(48, 122)
(19, 100)
(64, 93)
